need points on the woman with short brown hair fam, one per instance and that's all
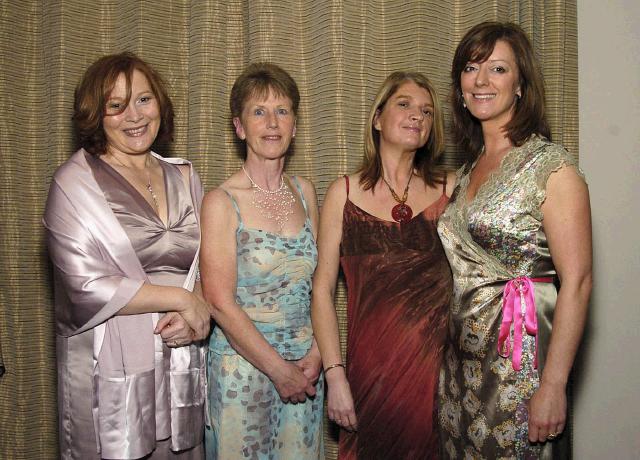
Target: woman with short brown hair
(258, 255)
(123, 236)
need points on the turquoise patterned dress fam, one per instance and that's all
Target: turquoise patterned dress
(247, 417)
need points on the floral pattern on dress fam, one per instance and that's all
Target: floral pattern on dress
(489, 240)
(478, 431)
(474, 337)
(505, 433)
(471, 403)
(472, 371)
(449, 414)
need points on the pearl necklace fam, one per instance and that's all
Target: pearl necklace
(149, 188)
(274, 205)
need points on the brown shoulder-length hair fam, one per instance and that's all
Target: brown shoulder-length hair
(529, 116)
(257, 80)
(426, 157)
(92, 94)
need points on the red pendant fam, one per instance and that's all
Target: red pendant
(402, 213)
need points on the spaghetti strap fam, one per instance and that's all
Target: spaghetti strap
(346, 179)
(235, 205)
(299, 188)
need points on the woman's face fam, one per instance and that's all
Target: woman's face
(406, 118)
(133, 130)
(267, 126)
(490, 88)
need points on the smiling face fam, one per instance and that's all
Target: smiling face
(131, 131)
(490, 88)
(405, 120)
(267, 125)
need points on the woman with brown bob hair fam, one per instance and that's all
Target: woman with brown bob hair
(398, 279)
(123, 235)
(518, 222)
(258, 255)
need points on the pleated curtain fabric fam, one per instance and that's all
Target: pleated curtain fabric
(339, 52)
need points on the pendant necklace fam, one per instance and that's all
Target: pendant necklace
(274, 205)
(401, 212)
(149, 188)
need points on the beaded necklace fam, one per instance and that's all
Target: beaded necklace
(401, 212)
(274, 205)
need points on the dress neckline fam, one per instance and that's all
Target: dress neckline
(296, 236)
(442, 197)
(152, 212)
(495, 176)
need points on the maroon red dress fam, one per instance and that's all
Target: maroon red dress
(399, 285)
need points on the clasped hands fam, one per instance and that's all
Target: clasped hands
(295, 380)
(189, 323)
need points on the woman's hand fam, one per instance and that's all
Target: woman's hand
(311, 364)
(291, 383)
(547, 412)
(174, 330)
(197, 313)
(340, 407)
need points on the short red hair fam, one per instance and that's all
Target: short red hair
(93, 91)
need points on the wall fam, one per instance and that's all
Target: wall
(607, 411)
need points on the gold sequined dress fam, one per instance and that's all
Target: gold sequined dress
(496, 237)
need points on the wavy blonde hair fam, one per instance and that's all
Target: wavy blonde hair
(426, 156)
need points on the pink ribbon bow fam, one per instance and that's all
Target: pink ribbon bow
(517, 291)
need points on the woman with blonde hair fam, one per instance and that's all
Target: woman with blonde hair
(380, 225)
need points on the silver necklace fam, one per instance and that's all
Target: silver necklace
(149, 187)
(274, 205)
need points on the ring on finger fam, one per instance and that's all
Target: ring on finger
(552, 436)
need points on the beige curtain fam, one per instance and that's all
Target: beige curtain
(338, 51)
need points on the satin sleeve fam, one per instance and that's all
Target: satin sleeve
(197, 190)
(89, 286)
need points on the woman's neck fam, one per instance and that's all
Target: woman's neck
(496, 141)
(397, 167)
(266, 173)
(133, 161)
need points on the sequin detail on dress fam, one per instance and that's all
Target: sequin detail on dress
(494, 238)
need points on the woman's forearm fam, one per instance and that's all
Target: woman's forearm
(326, 332)
(245, 338)
(161, 299)
(151, 298)
(568, 325)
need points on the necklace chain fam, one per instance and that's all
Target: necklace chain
(149, 188)
(401, 212)
(395, 196)
(274, 205)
